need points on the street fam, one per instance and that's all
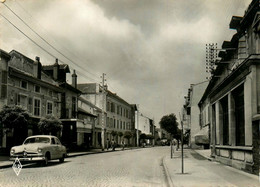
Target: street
(137, 167)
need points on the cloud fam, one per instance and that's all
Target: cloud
(150, 50)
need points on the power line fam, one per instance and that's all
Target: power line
(35, 42)
(46, 40)
(61, 46)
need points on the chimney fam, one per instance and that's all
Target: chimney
(74, 79)
(56, 70)
(37, 67)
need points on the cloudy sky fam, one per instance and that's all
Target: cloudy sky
(150, 50)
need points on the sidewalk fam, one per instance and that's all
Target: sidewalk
(199, 171)
(5, 163)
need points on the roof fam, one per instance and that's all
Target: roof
(4, 54)
(47, 136)
(87, 87)
(64, 67)
(26, 76)
(69, 87)
(15, 53)
(114, 95)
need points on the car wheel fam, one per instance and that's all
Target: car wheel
(46, 160)
(62, 159)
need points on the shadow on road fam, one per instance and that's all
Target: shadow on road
(197, 156)
(39, 165)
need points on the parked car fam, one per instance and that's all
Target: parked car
(39, 148)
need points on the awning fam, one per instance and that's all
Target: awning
(202, 137)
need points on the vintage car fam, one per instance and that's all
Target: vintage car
(39, 148)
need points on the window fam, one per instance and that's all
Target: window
(52, 141)
(114, 123)
(30, 105)
(224, 105)
(49, 108)
(118, 109)
(120, 124)
(37, 105)
(238, 95)
(24, 84)
(37, 89)
(108, 106)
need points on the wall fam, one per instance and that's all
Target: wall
(196, 94)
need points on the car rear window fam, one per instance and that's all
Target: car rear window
(37, 140)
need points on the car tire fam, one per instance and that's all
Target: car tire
(62, 159)
(46, 160)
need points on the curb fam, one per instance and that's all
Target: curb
(168, 177)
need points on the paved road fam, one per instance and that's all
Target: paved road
(139, 167)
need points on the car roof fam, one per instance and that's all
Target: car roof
(46, 136)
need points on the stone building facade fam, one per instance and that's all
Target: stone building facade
(117, 112)
(24, 83)
(233, 95)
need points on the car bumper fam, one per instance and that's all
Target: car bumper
(28, 159)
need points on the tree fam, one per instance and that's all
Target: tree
(120, 134)
(49, 125)
(149, 136)
(128, 135)
(142, 136)
(14, 118)
(170, 124)
(113, 133)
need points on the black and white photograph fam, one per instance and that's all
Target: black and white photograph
(129, 93)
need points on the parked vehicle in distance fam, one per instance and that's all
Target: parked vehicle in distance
(39, 148)
(165, 142)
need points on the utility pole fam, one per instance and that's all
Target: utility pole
(103, 112)
(182, 161)
(211, 57)
(137, 126)
(153, 133)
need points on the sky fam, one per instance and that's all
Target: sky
(150, 50)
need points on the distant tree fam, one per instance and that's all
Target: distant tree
(142, 136)
(49, 125)
(113, 133)
(120, 134)
(128, 135)
(14, 118)
(149, 136)
(170, 124)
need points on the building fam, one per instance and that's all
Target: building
(233, 95)
(24, 83)
(191, 113)
(89, 115)
(117, 112)
(72, 127)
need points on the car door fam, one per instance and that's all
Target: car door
(54, 148)
(59, 150)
